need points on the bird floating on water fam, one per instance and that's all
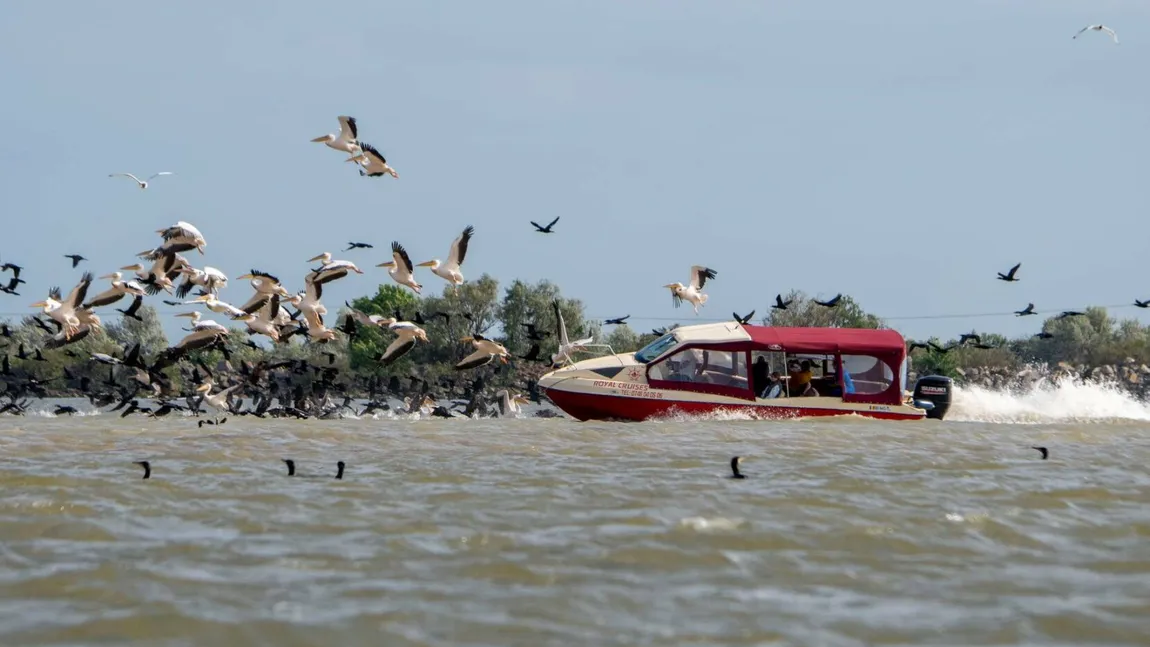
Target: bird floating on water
(143, 183)
(1102, 28)
(339, 466)
(735, 473)
(147, 468)
(1045, 452)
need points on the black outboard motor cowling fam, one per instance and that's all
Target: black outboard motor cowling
(933, 392)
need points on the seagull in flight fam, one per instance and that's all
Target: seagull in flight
(1099, 28)
(143, 183)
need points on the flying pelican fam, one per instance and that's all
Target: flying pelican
(218, 400)
(143, 183)
(209, 278)
(485, 351)
(215, 305)
(450, 270)
(400, 268)
(346, 139)
(694, 291)
(1104, 28)
(265, 321)
(407, 334)
(372, 161)
(202, 325)
(118, 290)
(566, 347)
(331, 270)
(182, 237)
(159, 277)
(266, 286)
(64, 311)
(371, 321)
(315, 328)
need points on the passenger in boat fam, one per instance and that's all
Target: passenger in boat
(776, 388)
(800, 379)
(761, 375)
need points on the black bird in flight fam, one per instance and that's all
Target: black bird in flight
(616, 322)
(1009, 276)
(1029, 310)
(1142, 304)
(547, 229)
(1045, 452)
(917, 344)
(351, 246)
(969, 336)
(939, 349)
(735, 473)
(133, 309)
(76, 258)
(831, 303)
(147, 468)
(743, 320)
(780, 304)
(1070, 313)
(1044, 335)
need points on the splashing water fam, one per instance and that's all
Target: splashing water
(1048, 401)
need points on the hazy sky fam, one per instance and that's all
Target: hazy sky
(902, 152)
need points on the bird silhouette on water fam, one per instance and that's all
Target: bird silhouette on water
(1045, 452)
(291, 470)
(147, 468)
(735, 473)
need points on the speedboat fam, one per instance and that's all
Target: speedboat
(710, 368)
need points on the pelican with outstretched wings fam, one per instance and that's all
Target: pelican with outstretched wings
(693, 292)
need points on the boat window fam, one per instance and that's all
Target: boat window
(869, 375)
(655, 348)
(702, 366)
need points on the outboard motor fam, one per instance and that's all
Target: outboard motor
(932, 392)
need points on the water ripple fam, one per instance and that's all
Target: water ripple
(548, 532)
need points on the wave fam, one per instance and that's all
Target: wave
(1047, 401)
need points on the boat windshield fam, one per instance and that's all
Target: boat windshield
(655, 348)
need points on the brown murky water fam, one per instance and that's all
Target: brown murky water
(548, 532)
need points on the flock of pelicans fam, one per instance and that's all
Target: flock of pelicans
(73, 317)
(166, 269)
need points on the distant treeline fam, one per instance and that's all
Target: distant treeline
(521, 318)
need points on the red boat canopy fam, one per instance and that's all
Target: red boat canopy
(887, 344)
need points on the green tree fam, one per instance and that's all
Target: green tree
(623, 339)
(804, 312)
(534, 304)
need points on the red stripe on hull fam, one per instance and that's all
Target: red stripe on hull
(585, 406)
